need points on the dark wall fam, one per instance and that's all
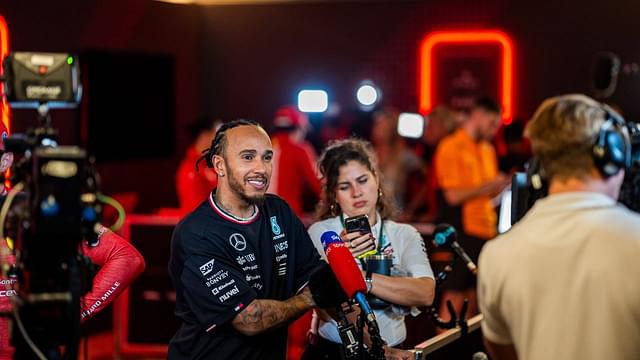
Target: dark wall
(118, 26)
(259, 56)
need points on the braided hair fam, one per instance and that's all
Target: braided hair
(219, 141)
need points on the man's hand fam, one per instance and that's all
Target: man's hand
(397, 354)
(358, 243)
(491, 188)
(497, 185)
(324, 288)
(307, 297)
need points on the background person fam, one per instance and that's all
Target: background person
(468, 178)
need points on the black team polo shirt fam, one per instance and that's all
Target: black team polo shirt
(219, 264)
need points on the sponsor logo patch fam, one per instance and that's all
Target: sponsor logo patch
(215, 291)
(207, 267)
(227, 295)
(275, 228)
(238, 241)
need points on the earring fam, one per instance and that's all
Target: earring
(332, 208)
(379, 192)
(220, 174)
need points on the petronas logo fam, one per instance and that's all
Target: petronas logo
(275, 228)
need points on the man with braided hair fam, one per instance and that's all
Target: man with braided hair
(241, 261)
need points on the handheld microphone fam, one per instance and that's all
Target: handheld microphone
(445, 235)
(347, 272)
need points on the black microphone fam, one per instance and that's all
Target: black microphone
(445, 235)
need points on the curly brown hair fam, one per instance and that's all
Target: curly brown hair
(337, 154)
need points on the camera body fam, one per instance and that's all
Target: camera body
(56, 211)
(32, 78)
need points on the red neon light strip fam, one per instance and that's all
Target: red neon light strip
(4, 51)
(465, 37)
(4, 106)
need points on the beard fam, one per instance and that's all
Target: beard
(238, 189)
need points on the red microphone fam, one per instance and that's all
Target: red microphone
(348, 274)
(343, 265)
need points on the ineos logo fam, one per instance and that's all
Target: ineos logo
(238, 241)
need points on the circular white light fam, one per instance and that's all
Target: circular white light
(367, 95)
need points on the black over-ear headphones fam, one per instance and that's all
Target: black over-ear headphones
(612, 149)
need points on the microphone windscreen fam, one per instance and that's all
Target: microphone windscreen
(444, 234)
(480, 356)
(328, 238)
(343, 265)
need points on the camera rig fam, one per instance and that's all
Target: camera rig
(52, 207)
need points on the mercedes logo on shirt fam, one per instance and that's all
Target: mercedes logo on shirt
(238, 241)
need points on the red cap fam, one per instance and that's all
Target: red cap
(289, 117)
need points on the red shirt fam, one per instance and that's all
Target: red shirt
(294, 168)
(193, 187)
(120, 264)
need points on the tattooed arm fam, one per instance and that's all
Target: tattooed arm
(263, 314)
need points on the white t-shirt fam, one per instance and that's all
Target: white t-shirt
(405, 244)
(563, 282)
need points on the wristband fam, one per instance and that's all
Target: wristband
(368, 281)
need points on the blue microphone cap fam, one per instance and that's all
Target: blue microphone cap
(328, 238)
(440, 238)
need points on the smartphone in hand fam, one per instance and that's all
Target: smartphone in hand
(358, 223)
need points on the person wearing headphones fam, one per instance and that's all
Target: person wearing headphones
(561, 283)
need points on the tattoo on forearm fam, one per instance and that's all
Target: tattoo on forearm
(264, 314)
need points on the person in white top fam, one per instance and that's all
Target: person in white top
(562, 283)
(352, 187)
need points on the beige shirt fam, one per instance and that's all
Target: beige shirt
(563, 283)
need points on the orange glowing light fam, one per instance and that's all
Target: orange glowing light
(426, 69)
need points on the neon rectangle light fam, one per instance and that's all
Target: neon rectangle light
(427, 71)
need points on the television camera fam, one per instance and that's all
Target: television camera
(52, 207)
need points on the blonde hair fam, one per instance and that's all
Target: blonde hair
(563, 131)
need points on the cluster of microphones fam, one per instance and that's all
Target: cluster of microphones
(348, 274)
(350, 278)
